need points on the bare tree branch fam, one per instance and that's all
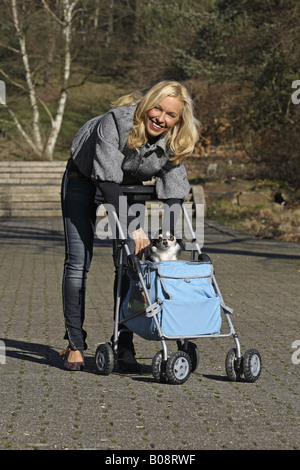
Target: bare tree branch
(20, 128)
(28, 77)
(13, 82)
(68, 8)
(13, 49)
(46, 6)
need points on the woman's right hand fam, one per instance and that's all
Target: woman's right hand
(141, 241)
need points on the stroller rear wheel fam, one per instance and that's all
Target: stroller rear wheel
(159, 368)
(178, 367)
(233, 366)
(104, 359)
(252, 365)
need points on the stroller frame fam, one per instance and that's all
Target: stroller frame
(175, 367)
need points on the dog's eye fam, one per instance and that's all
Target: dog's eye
(172, 238)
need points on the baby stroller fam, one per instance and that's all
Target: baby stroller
(174, 300)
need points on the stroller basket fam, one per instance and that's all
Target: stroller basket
(183, 297)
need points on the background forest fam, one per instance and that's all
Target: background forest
(64, 61)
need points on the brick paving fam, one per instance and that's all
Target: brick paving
(46, 407)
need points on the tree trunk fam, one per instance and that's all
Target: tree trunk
(68, 8)
(42, 148)
(37, 139)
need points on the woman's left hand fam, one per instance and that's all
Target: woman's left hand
(141, 241)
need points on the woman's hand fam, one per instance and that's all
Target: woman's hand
(141, 241)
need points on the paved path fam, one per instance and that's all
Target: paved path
(45, 407)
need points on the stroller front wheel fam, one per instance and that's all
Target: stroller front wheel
(192, 351)
(104, 359)
(178, 367)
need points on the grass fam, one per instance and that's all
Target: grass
(84, 102)
(262, 221)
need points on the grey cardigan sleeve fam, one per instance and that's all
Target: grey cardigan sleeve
(107, 162)
(172, 182)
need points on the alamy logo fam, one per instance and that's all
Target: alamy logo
(2, 92)
(2, 352)
(296, 94)
(296, 354)
(151, 221)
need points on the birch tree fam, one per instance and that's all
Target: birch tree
(42, 141)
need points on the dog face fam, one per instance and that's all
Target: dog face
(164, 248)
(165, 241)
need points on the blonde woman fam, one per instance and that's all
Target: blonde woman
(140, 137)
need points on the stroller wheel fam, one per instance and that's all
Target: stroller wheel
(233, 368)
(192, 351)
(252, 365)
(104, 359)
(159, 368)
(178, 367)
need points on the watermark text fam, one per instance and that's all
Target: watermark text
(2, 92)
(296, 354)
(2, 352)
(296, 94)
(159, 216)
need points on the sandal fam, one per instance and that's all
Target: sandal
(127, 361)
(71, 365)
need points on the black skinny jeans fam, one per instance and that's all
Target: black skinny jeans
(79, 217)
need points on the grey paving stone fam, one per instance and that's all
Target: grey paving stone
(45, 407)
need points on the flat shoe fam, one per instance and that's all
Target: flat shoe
(71, 365)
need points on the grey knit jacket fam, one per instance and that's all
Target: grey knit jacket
(100, 152)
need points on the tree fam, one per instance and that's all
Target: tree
(41, 141)
(248, 51)
(49, 46)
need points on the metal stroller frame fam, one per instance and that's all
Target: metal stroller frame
(174, 367)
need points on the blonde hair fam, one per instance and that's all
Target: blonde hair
(181, 139)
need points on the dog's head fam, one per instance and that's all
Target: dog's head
(164, 247)
(164, 241)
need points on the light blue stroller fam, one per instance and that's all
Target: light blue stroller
(175, 300)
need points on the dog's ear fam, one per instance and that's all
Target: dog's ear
(170, 236)
(157, 234)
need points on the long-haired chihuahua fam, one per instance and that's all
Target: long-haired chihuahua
(165, 247)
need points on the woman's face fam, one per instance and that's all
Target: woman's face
(163, 116)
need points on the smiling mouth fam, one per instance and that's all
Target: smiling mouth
(155, 126)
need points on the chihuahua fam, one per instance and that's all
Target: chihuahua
(164, 248)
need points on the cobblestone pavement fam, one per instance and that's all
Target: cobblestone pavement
(46, 407)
